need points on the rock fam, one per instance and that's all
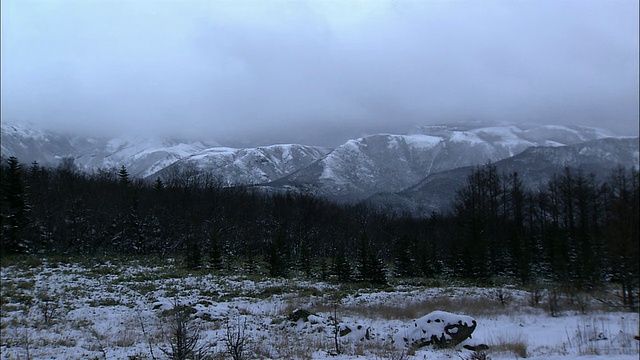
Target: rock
(314, 319)
(479, 347)
(474, 345)
(298, 314)
(440, 329)
(344, 330)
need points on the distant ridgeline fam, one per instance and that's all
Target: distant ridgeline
(418, 172)
(576, 228)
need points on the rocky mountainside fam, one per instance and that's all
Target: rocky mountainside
(535, 166)
(391, 163)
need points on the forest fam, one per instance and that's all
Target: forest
(572, 231)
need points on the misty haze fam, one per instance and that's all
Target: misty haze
(313, 72)
(319, 179)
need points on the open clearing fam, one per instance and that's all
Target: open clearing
(97, 309)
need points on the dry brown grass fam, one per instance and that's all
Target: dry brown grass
(512, 342)
(290, 345)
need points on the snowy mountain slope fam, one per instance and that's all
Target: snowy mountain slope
(353, 171)
(390, 163)
(506, 133)
(249, 165)
(45, 147)
(368, 164)
(141, 156)
(535, 167)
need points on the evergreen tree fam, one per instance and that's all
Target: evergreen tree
(370, 266)
(133, 229)
(251, 265)
(14, 209)
(378, 272)
(324, 269)
(340, 268)
(405, 258)
(158, 185)
(123, 176)
(305, 263)
(278, 257)
(193, 250)
(77, 235)
(215, 255)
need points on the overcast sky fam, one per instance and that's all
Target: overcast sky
(317, 72)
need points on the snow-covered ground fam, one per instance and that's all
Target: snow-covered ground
(127, 310)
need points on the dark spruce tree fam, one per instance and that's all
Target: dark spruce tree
(215, 254)
(369, 265)
(405, 260)
(14, 209)
(340, 268)
(305, 261)
(193, 260)
(123, 176)
(278, 257)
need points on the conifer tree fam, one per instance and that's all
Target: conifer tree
(278, 257)
(340, 267)
(123, 176)
(158, 185)
(324, 269)
(215, 255)
(194, 252)
(405, 259)
(304, 261)
(250, 265)
(370, 266)
(14, 209)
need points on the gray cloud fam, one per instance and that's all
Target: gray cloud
(317, 72)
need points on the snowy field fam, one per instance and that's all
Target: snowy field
(131, 310)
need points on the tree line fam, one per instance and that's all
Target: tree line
(572, 230)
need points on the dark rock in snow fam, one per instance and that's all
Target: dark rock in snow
(344, 330)
(440, 329)
(298, 314)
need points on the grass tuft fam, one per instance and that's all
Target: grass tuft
(514, 342)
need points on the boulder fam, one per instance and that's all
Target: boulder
(300, 314)
(343, 330)
(440, 329)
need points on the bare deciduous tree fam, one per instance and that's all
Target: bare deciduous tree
(236, 340)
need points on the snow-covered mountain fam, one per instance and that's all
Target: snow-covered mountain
(142, 156)
(390, 163)
(249, 166)
(535, 167)
(45, 147)
(149, 157)
(354, 171)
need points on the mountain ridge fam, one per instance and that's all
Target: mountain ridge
(389, 163)
(535, 167)
(376, 167)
